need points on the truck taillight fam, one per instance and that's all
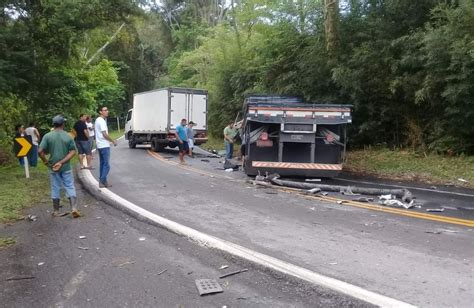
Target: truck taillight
(264, 136)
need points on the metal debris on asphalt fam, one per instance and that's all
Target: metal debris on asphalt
(82, 237)
(162, 271)
(126, 263)
(31, 218)
(314, 190)
(83, 248)
(234, 273)
(223, 267)
(19, 278)
(41, 263)
(363, 199)
(142, 239)
(347, 191)
(208, 286)
(435, 210)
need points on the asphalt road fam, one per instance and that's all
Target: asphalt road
(123, 262)
(420, 261)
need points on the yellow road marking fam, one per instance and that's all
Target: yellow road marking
(373, 207)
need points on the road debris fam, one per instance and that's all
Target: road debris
(223, 267)
(314, 190)
(162, 271)
(405, 195)
(312, 180)
(341, 201)
(82, 237)
(31, 218)
(435, 210)
(333, 263)
(142, 239)
(19, 278)
(83, 248)
(463, 180)
(208, 286)
(433, 232)
(363, 199)
(205, 160)
(229, 170)
(271, 193)
(41, 263)
(126, 263)
(234, 273)
(348, 191)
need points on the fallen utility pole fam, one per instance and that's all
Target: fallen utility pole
(404, 194)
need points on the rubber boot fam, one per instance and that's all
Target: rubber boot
(56, 204)
(73, 202)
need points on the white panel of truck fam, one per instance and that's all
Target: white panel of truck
(198, 111)
(150, 111)
(179, 103)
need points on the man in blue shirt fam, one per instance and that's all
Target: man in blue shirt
(182, 138)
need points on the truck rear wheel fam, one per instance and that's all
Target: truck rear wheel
(157, 147)
(131, 144)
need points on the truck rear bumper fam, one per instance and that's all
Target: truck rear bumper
(293, 169)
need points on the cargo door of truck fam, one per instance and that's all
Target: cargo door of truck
(198, 111)
(178, 108)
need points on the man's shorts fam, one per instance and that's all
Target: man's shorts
(83, 147)
(183, 147)
(191, 143)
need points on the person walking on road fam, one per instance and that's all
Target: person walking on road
(182, 138)
(35, 137)
(60, 147)
(229, 138)
(82, 142)
(103, 140)
(190, 134)
(20, 132)
(91, 130)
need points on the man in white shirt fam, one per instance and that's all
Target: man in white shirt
(35, 137)
(103, 140)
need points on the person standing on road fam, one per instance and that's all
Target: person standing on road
(229, 138)
(91, 130)
(35, 137)
(190, 134)
(103, 140)
(60, 147)
(82, 141)
(182, 138)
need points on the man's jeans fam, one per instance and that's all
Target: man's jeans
(229, 149)
(62, 179)
(33, 156)
(104, 157)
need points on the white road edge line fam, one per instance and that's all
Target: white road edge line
(242, 252)
(410, 187)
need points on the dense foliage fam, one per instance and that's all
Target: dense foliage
(406, 66)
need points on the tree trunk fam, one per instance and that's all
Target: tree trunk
(331, 25)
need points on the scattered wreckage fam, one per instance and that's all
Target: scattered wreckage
(386, 197)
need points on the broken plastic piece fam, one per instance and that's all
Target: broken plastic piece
(435, 210)
(234, 273)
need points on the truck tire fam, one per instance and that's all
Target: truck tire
(131, 144)
(157, 147)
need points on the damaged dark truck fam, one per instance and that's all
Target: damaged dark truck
(283, 135)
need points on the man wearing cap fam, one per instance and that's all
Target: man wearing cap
(182, 138)
(102, 141)
(190, 134)
(60, 147)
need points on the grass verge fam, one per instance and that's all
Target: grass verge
(411, 166)
(6, 241)
(17, 192)
(115, 134)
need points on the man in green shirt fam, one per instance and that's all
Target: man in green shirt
(60, 147)
(229, 138)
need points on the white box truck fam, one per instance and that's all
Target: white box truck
(155, 114)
